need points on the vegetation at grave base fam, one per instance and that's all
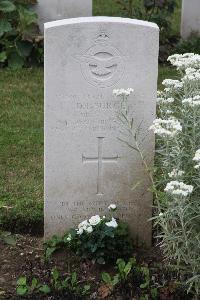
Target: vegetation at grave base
(62, 287)
(129, 277)
(101, 239)
(126, 279)
(20, 43)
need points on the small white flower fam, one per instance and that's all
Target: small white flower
(79, 231)
(176, 173)
(89, 229)
(185, 61)
(165, 101)
(122, 92)
(112, 223)
(112, 207)
(170, 100)
(82, 227)
(161, 214)
(172, 84)
(159, 93)
(193, 101)
(69, 238)
(197, 159)
(95, 220)
(168, 112)
(166, 128)
(197, 166)
(83, 224)
(178, 188)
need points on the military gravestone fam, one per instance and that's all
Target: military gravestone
(190, 22)
(86, 166)
(52, 10)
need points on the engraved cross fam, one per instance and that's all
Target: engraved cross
(100, 159)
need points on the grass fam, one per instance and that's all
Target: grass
(21, 147)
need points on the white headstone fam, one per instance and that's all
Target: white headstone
(86, 166)
(190, 22)
(52, 10)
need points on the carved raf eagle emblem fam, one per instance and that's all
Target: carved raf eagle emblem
(102, 64)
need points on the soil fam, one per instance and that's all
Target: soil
(26, 259)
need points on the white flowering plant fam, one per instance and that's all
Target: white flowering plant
(101, 239)
(177, 178)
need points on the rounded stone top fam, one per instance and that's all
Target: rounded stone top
(100, 19)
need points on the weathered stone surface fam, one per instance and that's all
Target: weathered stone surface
(190, 22)
(52, 10)
(86, 166)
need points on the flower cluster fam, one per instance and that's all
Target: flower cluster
(176, 173)
(84, 226)
(166, 128)
(112, 223)
(88, 225)
(122, 92)
(178, 188)
(197, 159)
(192, 101)
(171, 83)
(191, 75)
(165, 100)
(184, 61)
(112, 207)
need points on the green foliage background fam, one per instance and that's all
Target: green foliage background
(20, 44)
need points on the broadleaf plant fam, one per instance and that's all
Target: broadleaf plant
(20, 42)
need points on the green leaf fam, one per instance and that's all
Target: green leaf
(154, 293)
(128, 268)
(15, 61)
(21, 281)
(74, 278)
(132, 260)
(27, 16)
(121, 264)
(22, 290)
(24, 48)
(34, 283)
(144, 285)
(94, 248)
(45, 289)
(10, 240)
(55, 274)
(5, 26)
(7, 6)
(86, 289)
(115, 279)
(49, 251)
(106, 278)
